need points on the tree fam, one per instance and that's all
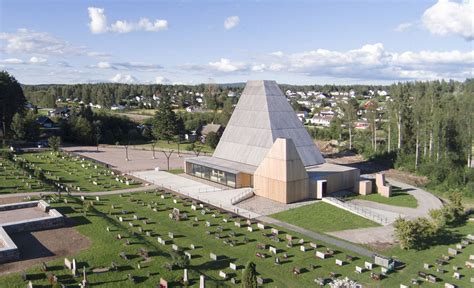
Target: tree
(212, 139)
(12, 100)
(18, 127)
(350, 116)
(54, 142)
(414, 234)
(249, 276)
(32, 128)
(164, 126)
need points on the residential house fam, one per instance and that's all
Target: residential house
(206, 129)
(45, 122)
(62, 112)
(302, 115)
(321, 120)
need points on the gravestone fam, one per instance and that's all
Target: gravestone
(272, 250)
(237, 224)
(222, 274)
(359, 269)
(289, 237)
(426, 266)
(202, 281)
(368, 265)
(171, 235)
(302, 248)
(233, 266)
(250, 229)
(313, 245)
(192, 247)
(175, 247)
(339, 262)
(213, 256)
(261, 226)
(188, 255)
(320, 255)
(452, 252)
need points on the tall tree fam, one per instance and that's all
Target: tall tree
(12, 101)
(165, 122)
(249, 277)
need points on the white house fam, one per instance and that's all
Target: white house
(321, 120)
(117, 107)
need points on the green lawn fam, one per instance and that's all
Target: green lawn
(323, 217)
(398, 198)
(76, 173)
(15, 180)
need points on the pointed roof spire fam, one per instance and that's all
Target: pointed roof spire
(262, 115)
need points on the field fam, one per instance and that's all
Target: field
(13, 179)
(398, 198)
(106, 248)
(323, 217)
(76, 173)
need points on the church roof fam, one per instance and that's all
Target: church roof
(262, 115)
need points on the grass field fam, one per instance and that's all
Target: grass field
(75, 172)
(15, 180)
(398, 198)
(323, 217)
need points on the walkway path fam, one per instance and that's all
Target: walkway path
(217, 197)
(318, 236)
(101, 193)
(426, 202)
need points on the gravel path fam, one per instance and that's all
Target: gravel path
(426, 202)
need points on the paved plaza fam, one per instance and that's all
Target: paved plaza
(139, 160)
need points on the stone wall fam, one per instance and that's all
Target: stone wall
(9, 251)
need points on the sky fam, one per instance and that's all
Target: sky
(192, 42)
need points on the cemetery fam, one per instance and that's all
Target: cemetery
(149, 247)
(15, 180)
(49, 171)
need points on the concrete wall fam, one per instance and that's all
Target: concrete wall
(337, 181)
(9, 251)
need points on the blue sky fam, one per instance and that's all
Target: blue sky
(296, 42)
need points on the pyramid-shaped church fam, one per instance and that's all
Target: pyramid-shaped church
(265, 146)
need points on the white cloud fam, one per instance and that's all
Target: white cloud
(162, 80)
(258, 67)
(403, 27)
(225, 65)
(29, 41)
(98, 23)
(38, 60)
(277, 53)
(450, 18)
(373, 61)
(231, 22)
(98, 54)
(127, 66)
(124, 78)
(103, 65)
(11, 61)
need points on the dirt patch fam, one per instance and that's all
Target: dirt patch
(406, 177)
(43, 246)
